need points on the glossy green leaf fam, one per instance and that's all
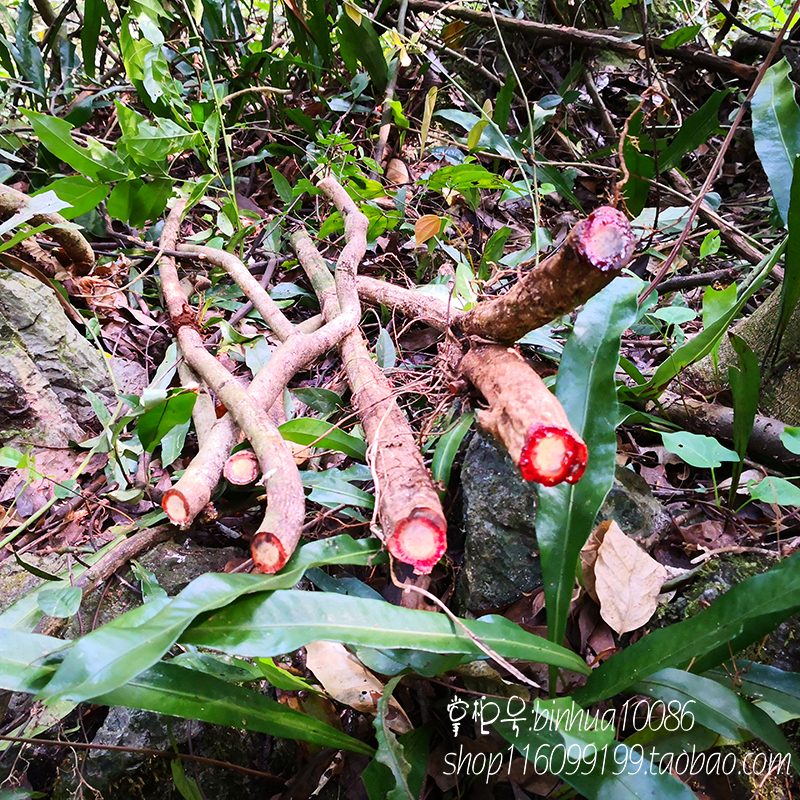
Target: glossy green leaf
(93, 161)
(28, 660)
(90, 34)
(136, 202)
(493, 252)
(710, 244)
(587, 391)
(447, 448)
(362, 42)
(716, 303)
(323, 401)
(82, 194)
(715, 707)
(282, 678)
(332, 488)
(777, 491)
(158, 420)
(60, 601)
(674, 315)
(378, 778)
(745, 381)
(774, 690)
(282, 621)
(790, 285)
(743, 615)
(790, 437)
(179, 692)
(390, 751)
(680, 36)
(316, 433)
(585, 759)
(702, 344)
(697, 450)
(776, 131)
(385, 351)
(110, 656)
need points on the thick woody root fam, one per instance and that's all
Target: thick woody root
(280, 529)
(408, 505)
(241, 468)
(524, 416)
(409, 508)
(593, 254)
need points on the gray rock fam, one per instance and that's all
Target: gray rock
(44, 365)
(501, 561)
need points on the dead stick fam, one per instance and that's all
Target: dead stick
(285, 512)
(591, 39)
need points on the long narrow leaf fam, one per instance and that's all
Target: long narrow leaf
(279, 622)
(790, 287)
(776, 131)
(586, 389)
(715, 707)
(114, 654)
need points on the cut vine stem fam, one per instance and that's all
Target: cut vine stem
(524, 416)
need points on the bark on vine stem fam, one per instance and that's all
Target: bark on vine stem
(285, 512)
(408, 506)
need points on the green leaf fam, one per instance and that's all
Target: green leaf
(447, 448)
(90, 34)
(179, 692)
(136, 202)
(698, 451)
(315, 432)
(59, 601)
(281, 678)
(702, 344)
(715, 707)
(26, 660)
(379, 780)
(11, 457)
(743, 615)
(710, 244)
(82, 194)
(776, 131)
(559, 742)
(331, 488)
(775, 491)
(790, 286)
(680, 36)
(773, 689)
(363, 44)
(790, 438)
(323, 401)
(716, 303)
(390, 751)
(282, 186)
(110, 656)
(159, 419)
(94, 161)
(674, 315)
(587, 390)
(745, 381)
(385, 351)
(493, 252)
(279, 622)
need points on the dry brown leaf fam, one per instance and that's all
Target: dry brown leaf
(627, 581)
(426, 228)
(397, 172)
(346, 679)
(589, 557)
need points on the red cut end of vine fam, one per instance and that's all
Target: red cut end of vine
(175, 506)
(551, 455)
(241, 468)
(606, 239)
(418, 540)
(268, 553)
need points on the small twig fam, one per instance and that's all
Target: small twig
(496, 657)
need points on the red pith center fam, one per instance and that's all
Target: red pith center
(551, 455)
(419, 542)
